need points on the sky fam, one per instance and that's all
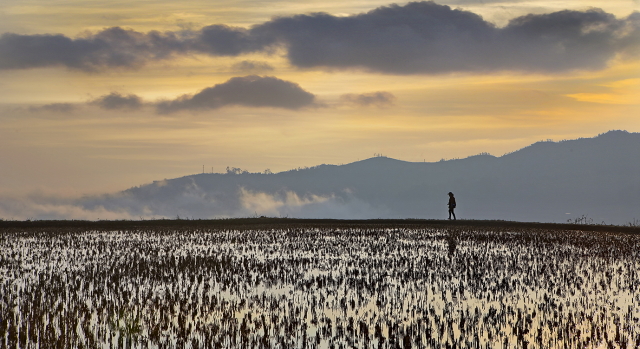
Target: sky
(99, 96)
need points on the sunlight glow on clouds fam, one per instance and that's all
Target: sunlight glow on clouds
(416, 38)
(107, 95)
(620, 92)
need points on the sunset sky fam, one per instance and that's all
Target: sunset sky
(99, 96)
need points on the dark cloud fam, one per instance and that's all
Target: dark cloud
(562, 41)
(416, 38)
(252, 66)
(424, 37)
(223, 40)
(379, 99)
(113, 47)
(116, 100)
(55, 107)
(628, 43)
(250, 91)
(124, 48)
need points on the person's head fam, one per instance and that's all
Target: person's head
(450, 194)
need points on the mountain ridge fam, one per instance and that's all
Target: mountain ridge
(545, 181)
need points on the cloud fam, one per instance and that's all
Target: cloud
(224, 40)
(55, 107)
(379, 99)
(252, 66)
(565, 40)
(124, 48)
(111, 48)
(249, 91)
(424, 37)
(117, 101)
(416, 38)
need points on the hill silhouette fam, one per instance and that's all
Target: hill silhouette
(545, 182)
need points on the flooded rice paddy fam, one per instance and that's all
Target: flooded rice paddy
(319, 287)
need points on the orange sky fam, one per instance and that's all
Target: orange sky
(58, 135)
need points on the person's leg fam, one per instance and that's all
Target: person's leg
(454, 214)
(450, 212)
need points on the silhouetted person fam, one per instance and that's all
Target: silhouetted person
(452, 205)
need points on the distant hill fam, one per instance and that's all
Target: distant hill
(547, 181)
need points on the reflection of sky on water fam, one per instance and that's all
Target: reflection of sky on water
(358, 287)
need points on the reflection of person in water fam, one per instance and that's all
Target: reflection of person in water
(452, 205)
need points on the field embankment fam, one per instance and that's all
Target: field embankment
(272, 223)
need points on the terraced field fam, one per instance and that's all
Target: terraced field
(318, 284)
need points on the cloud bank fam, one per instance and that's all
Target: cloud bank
(249, 91)
(111, 48)
(424, 37)
(417, 38)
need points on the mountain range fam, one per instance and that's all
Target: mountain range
(589, 179)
